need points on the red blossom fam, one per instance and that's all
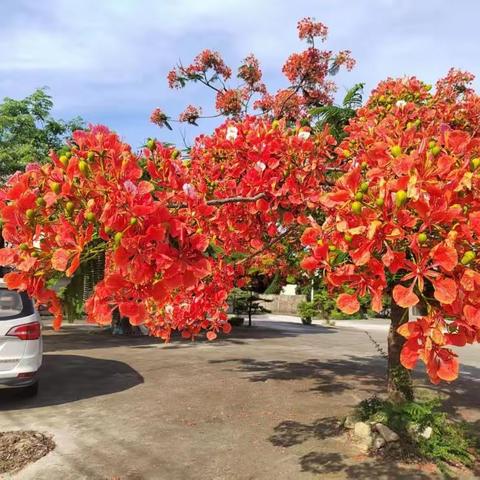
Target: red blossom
(190, 115)
(308, 29)
(229, 102)
(249, 71)
(158, 117)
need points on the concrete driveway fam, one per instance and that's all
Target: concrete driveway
(260, 404)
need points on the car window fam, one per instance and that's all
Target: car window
(11, 304)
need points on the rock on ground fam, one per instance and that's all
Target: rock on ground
(387, 434)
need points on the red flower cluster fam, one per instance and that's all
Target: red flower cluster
(408, 206)
(249, 71)
(166, 225)
(284, 104)
(309, 66)
(229, 102)
(190, 115)
(202, 64)
(174, 80)
(284, 168)
(344, 57)
(308, 73)
(308, 29)
(158, 117)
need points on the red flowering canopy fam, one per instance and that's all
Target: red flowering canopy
(170, 227)
(405, 216)
(308, 73)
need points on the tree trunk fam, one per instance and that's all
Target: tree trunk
(399, 385)
(2, 245)
(120, 325)
(250, 309)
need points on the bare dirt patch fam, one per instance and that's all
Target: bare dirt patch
(19, 448)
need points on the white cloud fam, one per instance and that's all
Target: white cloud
(107, 59)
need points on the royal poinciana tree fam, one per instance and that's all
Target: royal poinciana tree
(172, 229)
(404, 221)
(392, 210)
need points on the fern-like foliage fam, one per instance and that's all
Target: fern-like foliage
(338, 116)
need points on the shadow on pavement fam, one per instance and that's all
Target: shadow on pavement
(68, 378)
(289, 432)
(331, 462)
(362, 374)
(334, 376)
(79, 337)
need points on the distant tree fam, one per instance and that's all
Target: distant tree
(248, 302)
(28, 131)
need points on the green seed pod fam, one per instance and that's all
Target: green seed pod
(475, 163)
(422, 237)
(357, 208)
(69, 207)
(364, 187)
(400, 198)
(56, 187)
(468, 257)
(118, 238)
(83, 167)
(396, 151)
(359, 196)
(436, 150)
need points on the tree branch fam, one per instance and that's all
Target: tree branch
(271, 243)
(223, 201)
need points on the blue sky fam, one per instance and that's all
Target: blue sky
(106, 60)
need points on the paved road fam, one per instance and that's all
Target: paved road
(378, 329)
(260, 404)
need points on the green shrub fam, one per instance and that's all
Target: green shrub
(236, 321)
(450, 442)
(307, 310)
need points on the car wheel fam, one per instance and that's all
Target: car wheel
(31, 390)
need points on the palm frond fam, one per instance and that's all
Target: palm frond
(338, 116)
(354, 96)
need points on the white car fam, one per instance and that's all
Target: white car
(21, 346)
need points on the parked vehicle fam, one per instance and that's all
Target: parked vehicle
(21, 346)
